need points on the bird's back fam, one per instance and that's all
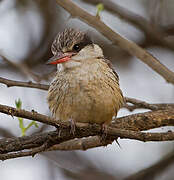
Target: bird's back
(88, 93)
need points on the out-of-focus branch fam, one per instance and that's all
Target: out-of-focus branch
(6, 133)
(155, 11)
(169, 30)
(118, 40)
(152, 31)
(11, 83)
(153, 170)
(136, 103)
(23, 69)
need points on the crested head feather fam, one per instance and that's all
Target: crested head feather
(68, 38)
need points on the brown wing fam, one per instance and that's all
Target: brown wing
(108, 62)
(112, 67)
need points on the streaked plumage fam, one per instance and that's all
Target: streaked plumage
(85, 88)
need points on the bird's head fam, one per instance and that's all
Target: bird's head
(73, 47)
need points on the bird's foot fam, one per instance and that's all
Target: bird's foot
(73, 126)
(104, 131)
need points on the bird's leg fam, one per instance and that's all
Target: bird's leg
(73, 126)
(58, 129)
(104, 134)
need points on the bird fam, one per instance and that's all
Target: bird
(86, 87)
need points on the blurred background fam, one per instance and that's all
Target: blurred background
(27, 29)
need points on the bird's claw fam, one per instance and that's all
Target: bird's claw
(104, 132)
(73, 126)
(116, 140)
(104, 135)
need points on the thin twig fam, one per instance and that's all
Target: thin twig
(141, 104)
(29, 84)
(32, 152)
(144, 105)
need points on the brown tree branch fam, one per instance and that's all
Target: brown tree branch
(124, 127)
(135, 122)
(145, 121)
(28, 115)
(12, 145)
(24, 153)
(118, 40)
(152, 31)
(80, 144)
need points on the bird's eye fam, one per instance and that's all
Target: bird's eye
(76, 47)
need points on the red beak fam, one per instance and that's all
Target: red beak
(60, 58)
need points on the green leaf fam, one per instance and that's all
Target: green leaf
(21, 123)
(35, 124)
(100, 7)
(18, 104)
(31, 124)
